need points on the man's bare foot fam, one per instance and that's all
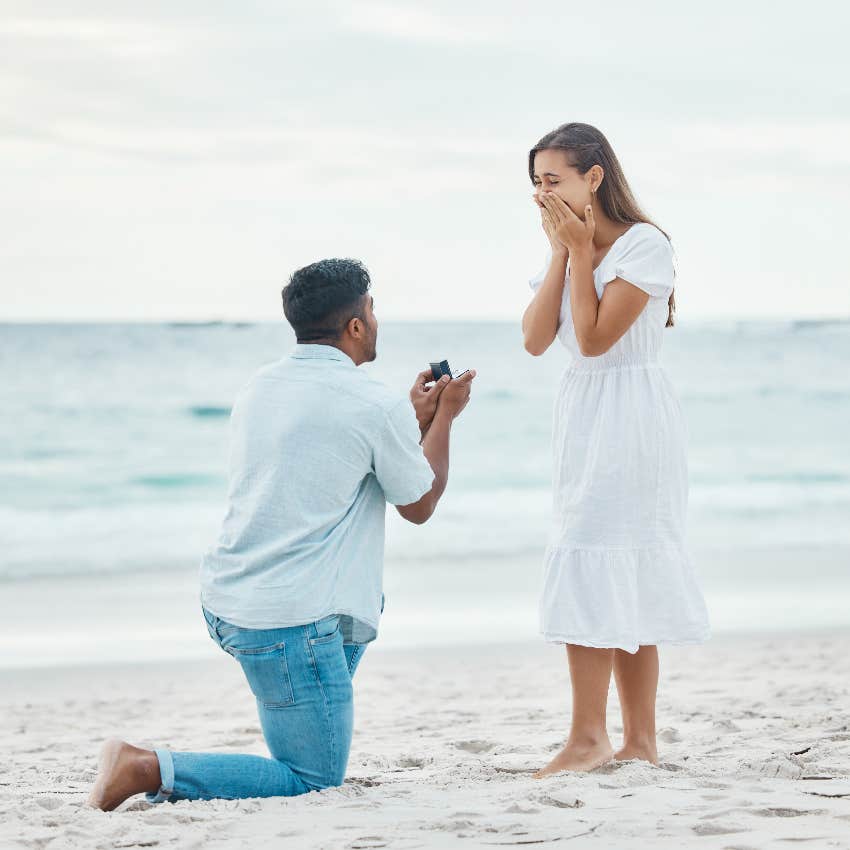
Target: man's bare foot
(645, 752)
(123, 770)
(579, 757)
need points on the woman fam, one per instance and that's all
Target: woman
(618, 579)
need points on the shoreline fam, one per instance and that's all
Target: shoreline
(452, 649)
(144, 615)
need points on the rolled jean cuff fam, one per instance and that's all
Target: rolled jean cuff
(166, 777)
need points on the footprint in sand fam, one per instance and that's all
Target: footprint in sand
(669, 735)
(138, 806)
(717, 829)
(786, 813)
(50, 803)
(414, 761)
(561, 801)
(510, 765)
(475, 746)
(363, 781)
(774, 766)
(517, 809)
(454, 825)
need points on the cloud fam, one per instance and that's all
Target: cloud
(120, 38)
(422, 24)
(814, 142)
(271, 143)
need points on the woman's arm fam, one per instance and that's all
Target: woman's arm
(542, 317)
(540, 320)
(598, 323)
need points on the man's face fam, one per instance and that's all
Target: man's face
(370, 338)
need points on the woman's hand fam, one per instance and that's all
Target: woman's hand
(576, 235)
(558, 247)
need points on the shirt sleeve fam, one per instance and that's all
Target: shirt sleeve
(537, 281)
(400, 464)
(647, 263)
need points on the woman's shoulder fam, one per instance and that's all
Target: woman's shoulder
(646, 233)
(644, 258)
(642, 241)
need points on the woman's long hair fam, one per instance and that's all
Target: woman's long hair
(585, 147)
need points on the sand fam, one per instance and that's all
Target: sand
(754, 744)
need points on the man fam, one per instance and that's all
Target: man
(292, 588)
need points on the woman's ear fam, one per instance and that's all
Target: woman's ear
(597, 175)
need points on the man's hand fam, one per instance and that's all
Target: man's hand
(424, 398)
(455, 395)
(452, 396)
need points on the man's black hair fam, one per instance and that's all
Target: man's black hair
(322, 298)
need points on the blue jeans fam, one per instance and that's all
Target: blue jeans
(301, 677)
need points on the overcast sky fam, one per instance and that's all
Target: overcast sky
(180, 159)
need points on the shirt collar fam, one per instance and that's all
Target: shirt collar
(314, 351)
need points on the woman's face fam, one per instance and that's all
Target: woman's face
(553, 173)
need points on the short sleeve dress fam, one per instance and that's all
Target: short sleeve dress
(617, 570)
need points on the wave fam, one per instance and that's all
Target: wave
(209, 411)
(764, 391)
(175, 480)
(800, 478)
(807, 324)
(211, 323)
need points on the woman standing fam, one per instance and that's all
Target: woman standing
(618, 578)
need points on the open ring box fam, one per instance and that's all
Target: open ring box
(442, 368)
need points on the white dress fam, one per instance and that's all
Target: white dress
(617, 571)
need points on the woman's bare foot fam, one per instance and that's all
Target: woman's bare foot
(643, 752)
(579, 756)
(123, 770)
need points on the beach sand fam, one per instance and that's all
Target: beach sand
(754, 741)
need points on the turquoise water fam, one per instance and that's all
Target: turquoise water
(113, 454)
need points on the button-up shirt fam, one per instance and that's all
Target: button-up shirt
(317, 450)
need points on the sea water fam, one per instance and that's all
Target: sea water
(113, 463)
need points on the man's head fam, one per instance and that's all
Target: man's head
(329, 303)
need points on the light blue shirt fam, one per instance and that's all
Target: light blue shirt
(317, 450)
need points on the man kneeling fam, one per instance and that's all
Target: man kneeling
(292, 588)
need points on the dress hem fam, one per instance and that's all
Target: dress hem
(630, 646)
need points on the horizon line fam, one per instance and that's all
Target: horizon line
(715, 319)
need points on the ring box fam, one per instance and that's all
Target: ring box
(440, 369)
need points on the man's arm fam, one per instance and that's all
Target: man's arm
(424, 399)
(435, 447)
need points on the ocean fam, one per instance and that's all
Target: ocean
(113, 461)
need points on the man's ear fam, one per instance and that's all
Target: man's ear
(355, 327)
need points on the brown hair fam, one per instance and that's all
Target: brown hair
(586, 147)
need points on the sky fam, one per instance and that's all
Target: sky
(178, 160)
